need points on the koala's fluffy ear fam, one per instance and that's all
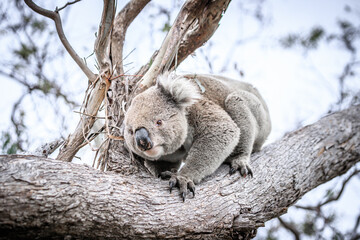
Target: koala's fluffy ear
(179, 89)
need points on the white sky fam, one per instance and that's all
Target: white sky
(298, 87)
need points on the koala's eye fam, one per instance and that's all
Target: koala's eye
(131, 131)
(159, 123)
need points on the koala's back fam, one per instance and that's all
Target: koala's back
(217, 88)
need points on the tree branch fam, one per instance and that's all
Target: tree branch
(102, 43)
(56, 18)
(74, 142)
(65, 199)
(290, 227)
(94, 99)
(194, 25)
(67, 4)
(121, 24)
(186, 18)
(207, 23)
(331, 198)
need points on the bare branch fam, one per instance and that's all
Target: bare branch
(56, 18)
(95, 97)
(202, 31)
(102, 43)
(290, 227)
(188, 32)
(121, 24)
(89, 115)
(331, 198)
(186, 17)
(48, 148)
(92, 103)
(67, 4)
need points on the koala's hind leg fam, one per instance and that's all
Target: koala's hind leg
(240, 106)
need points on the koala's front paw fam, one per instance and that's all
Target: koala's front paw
(241, 165)
(182, 182)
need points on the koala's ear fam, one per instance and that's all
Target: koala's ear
(179, 89)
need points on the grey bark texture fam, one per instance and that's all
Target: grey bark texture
(45, 198)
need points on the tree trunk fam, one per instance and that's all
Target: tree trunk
(45, 198)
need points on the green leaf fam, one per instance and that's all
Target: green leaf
(12, 149)
(45, 86)
(309, 227)
(25, 51)
(38, 26)
(289, 41)
(166, 27)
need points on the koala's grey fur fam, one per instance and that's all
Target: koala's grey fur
(205, 120)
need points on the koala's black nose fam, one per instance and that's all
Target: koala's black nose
(142, 139)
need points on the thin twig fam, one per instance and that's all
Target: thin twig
(89, 115)
(332, 198)
(290, 227)
(120, 138)
(97, 152)
(67, 4)
(56, 18)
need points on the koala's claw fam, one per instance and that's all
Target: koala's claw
(184, 183)
(171, 184)
(243, 168)
(191, 187)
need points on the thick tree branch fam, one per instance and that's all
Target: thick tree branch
(205, 27)
(194, 25)
(185, 19)
(94, 99)
(75, 140)
(121, 24)
(55, 16)
(102, 43)
(43, 197)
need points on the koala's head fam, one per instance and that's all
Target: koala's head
(156, 123)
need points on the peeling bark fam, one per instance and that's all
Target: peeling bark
(121, 24)
(44, 198)
(98, 87)
(207, 23)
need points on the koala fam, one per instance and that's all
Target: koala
(200, 120)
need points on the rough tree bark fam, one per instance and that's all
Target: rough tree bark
(44, 198)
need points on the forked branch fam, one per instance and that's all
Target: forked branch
(186, 17)
(195, 24)
(55, 16)
(95, 97)
(122, 21)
